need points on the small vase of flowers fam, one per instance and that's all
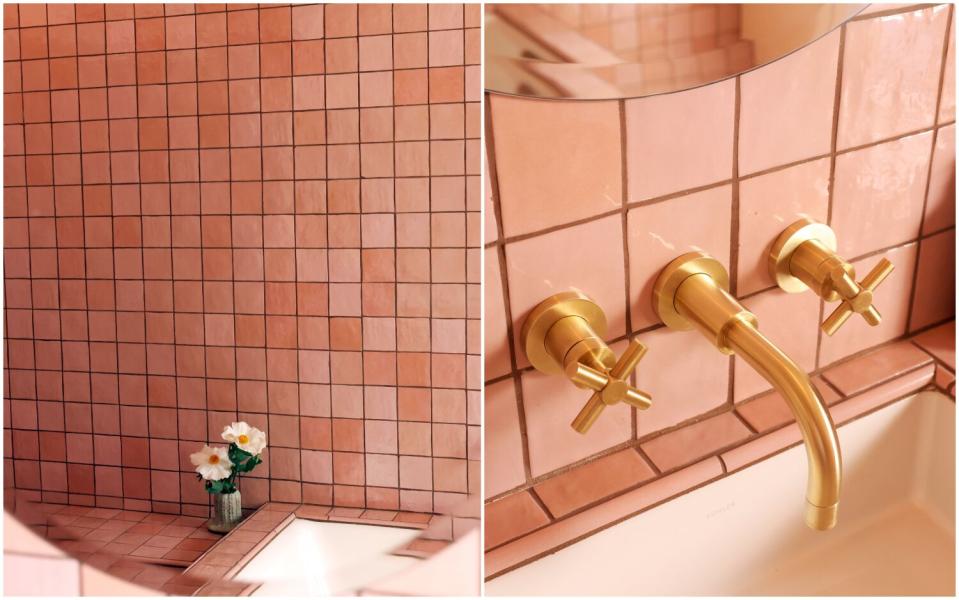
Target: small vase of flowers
(220, 467)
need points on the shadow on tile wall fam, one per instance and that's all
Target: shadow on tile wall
(222, 212)
(600, 195)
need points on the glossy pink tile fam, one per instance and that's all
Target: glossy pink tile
(941, 197)
(908, 383)
(503, 456)
(947, 103)
(588, 521)
(940, 342)
(770, 203)
(683, 446)
(934, 297)
(768, 411)
(875, 367)
(574, 169)
(945, 380)
(888, 59)
(548, 264)
(791, 321)
(761, 447)
(511, 517)
(664, 374)
(892, 301)
(593, 481)
(679, 141)
(656, 237)
(496, 351)
(786, 109)
(879, 194)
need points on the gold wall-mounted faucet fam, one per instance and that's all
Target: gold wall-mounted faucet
(804, 255)
(564, 334)
(691, 292)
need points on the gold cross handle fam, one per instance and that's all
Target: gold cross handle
(608, 388)
(856, 297)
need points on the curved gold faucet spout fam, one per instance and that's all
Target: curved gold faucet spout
(691, 293)
(818, 432)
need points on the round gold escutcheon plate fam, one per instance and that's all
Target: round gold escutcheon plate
(781, 252)
(546, 314)
(673, 275)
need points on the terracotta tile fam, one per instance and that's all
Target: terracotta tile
(761, 447)
(769, 410)
(941, 197)
(655, 238)
(574, 169)
(791, 322)
(940, 342)
(593, 481)
(685, 445)
(891, 300)
(798, 127)
(884, 51)
(512, 517)
(693, 128)
(874, 367)
(879, 194)
(591, 520)
(503, 460)
(897, 388)
(945, 380)
(770, 203)
(934, 294)
(533, 275)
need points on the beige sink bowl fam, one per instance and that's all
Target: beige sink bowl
(744, 534)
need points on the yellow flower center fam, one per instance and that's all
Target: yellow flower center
(242, 439)
(214, 459)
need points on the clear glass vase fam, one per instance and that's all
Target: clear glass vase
(226, 512)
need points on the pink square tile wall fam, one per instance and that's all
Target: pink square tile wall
(601, 195)
(259, 212)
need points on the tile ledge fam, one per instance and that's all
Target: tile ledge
(568, 530)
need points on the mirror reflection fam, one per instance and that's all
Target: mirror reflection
(602, 51)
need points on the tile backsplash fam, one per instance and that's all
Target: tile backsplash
(856, 129)
(261, 212)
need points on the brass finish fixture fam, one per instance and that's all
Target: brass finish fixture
(564, 334)
(691, 292)
(804, 255)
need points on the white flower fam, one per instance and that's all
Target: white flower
(212, 464)
(249, 439)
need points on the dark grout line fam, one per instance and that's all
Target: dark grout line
(493, 178)
(624, 183)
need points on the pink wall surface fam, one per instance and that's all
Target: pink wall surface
(857, 129)
(218, 212)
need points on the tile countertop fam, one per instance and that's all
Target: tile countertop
(172, 554)
(528, 524)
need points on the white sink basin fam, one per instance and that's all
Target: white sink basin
(320, 558)
(744, 534)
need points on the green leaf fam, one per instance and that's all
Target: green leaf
(237, 454)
